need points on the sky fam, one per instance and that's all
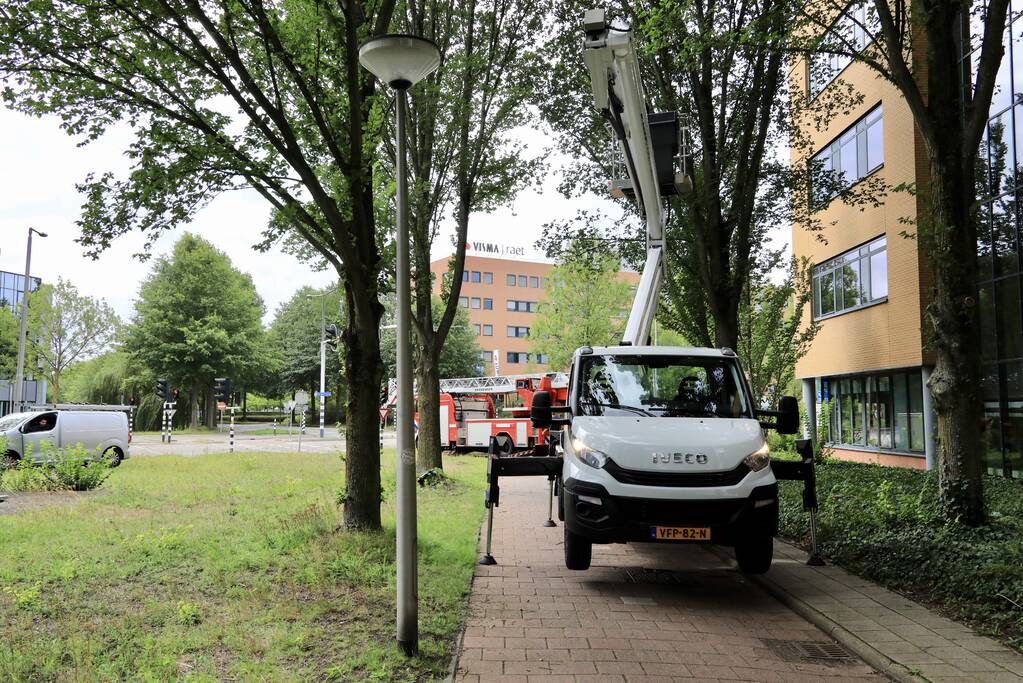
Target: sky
(41, 165)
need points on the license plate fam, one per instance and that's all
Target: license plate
(680, 533)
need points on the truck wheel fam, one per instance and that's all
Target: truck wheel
(578, 551)
(754, 553)
(9, 460)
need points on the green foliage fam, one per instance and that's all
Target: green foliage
(197, 317)
(295, 339)
(66, 327)
(586, 305)
(772, 331)
(887, 524)
(459, 356)
(8, 341)
(71, 468)
(821, 431)
(220, 568)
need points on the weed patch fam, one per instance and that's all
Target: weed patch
(230, 567)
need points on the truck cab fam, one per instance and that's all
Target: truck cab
(665, 445)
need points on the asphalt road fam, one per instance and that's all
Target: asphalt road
(204, 444)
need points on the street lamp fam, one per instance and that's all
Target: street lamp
(402, 61)
(17, 398)
(323, 351)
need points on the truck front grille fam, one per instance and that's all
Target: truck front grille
(676, 479)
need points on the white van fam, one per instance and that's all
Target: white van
(100, 431)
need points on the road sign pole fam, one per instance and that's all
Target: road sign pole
(163, 425)
(323, 358)
(301, 429)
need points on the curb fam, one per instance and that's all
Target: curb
(869, 654)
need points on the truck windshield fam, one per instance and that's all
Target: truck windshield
(661, 386)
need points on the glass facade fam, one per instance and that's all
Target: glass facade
(12, 289)
(882, 411)
(1000, 174)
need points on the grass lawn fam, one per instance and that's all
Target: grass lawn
(883, 523)
(226, 566)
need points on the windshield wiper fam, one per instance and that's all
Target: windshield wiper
(619, 407)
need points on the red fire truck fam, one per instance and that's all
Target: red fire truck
(469, 414)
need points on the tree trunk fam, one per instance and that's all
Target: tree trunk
(193, 422)
(364, 369)
(955, 382)
(428, 445)
(211, 410)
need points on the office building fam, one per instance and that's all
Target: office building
(871, 283)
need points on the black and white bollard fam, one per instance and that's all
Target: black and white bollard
(275, 426)
(232, 430)
(163, 426)
(131, 423)
(322, 401)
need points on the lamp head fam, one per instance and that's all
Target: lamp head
(399, 60)
(38, 232)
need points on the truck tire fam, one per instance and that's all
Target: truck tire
(578, 551)
(505, 445)
(9, 460)
(754, 553)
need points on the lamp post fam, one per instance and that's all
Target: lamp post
(402, 61)
(17, 398)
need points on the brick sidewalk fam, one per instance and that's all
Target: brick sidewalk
(641, 613)
(908, 641)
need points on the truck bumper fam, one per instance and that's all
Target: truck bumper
(594, 514)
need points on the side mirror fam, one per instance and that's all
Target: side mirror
(788, 415)
(540, 413)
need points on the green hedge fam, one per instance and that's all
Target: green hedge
(884, 524)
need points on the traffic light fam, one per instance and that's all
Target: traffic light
(331, 336)
(162, 390)
(176, 394)
(222, 389)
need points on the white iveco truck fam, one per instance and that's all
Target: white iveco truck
(660, 444)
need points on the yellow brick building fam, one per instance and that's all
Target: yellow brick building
(870, 360)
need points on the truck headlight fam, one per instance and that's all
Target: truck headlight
(591, 457)
(758, 459)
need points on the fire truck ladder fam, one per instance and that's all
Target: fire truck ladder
(501, 384)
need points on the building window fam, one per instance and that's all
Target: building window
(852, 29)
(543, 358)
(485, 356)
(522, 306)
(510, 280)
(518, 331)
(476, 302)
(534, 281)
(488, 278)
(475, 276)
(523, 281)
(465, 276)
(882, 411)
(488, 330)
(851, 280)
(488, 304)
(463, 301)
(476, 329)
(517, 357)
(856, 153)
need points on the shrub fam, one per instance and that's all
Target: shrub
(72, 468)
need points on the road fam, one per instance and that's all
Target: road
(204, 444)
(642, 612)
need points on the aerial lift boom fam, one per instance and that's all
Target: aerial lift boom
(649, 143)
